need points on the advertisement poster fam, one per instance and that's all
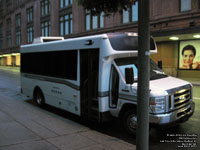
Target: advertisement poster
(189, 55)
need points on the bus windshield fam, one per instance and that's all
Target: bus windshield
(155, 71)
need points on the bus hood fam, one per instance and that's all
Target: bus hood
(167, 83)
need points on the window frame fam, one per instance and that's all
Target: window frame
(9, 40)
(1, 8)
(44, 8)
(1, 28)
(17, 3)
(18, 37)
(90, 26)
(1, 35)
(8, 25)
(29, 30)
(45, 27)
(18, 20)
(131, 14)
(64, 22)
(199, 4)
(29, 15)
(8, 32)
(64, 4)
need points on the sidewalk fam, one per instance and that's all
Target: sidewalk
(27, 127)
(10, 68)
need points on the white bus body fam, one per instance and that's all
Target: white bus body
(85, 76)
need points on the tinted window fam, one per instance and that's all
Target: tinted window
(122, 42)
(61, 64)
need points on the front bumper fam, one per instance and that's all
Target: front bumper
(180, 115)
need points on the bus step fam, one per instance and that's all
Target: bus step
(94, 116)
(96, 109)
(95, 102)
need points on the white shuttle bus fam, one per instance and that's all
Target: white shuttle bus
(86, 76)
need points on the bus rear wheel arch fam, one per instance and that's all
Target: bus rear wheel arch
(39, 97)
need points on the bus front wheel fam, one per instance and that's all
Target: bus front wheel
(130, 121)
(39, 98)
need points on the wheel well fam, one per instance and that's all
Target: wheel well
(127, 107)
(37, 89)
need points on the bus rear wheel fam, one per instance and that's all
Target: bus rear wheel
(39, 98)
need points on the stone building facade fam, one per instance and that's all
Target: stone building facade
(23, 20)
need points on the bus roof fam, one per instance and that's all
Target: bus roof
(118, 42)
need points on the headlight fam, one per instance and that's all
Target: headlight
(157, 104)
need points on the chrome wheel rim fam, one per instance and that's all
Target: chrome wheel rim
(132, 122)
(39, 99)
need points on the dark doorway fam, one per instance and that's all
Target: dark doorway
(89, 70)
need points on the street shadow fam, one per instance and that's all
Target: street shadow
(112, 128)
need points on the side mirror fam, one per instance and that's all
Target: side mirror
(129, 75)
(160, 64)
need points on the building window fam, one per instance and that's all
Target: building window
(29, 15)
(17, 3)
(1, 42)
(126, 17)
(1, 8)
(45, 28)
(44, 7)
(185, 5)
(65, 3)
(30, 34)
(199, 4)
(18, 37)
(8, 3)
(17, 20)
(66, 24)
(1, 35)
(130, 15)
(93, 22)
(1, 3)
(8, 32)
(18, 29)
(9, 41)
(8, 24)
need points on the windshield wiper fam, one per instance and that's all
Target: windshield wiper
(158, 76)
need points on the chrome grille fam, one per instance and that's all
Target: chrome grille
(179, 99)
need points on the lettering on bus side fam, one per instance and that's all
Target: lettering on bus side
(56, 90)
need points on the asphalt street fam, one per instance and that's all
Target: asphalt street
(25, 126)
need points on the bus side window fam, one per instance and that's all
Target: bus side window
(114, 87)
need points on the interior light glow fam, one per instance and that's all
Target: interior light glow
(197, 36)
(174, 38)
(5, 55)
(132, 34)
(15, 54)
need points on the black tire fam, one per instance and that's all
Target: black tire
(39, 98)
(130, 121)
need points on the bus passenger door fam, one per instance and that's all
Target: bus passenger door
(89, 70)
